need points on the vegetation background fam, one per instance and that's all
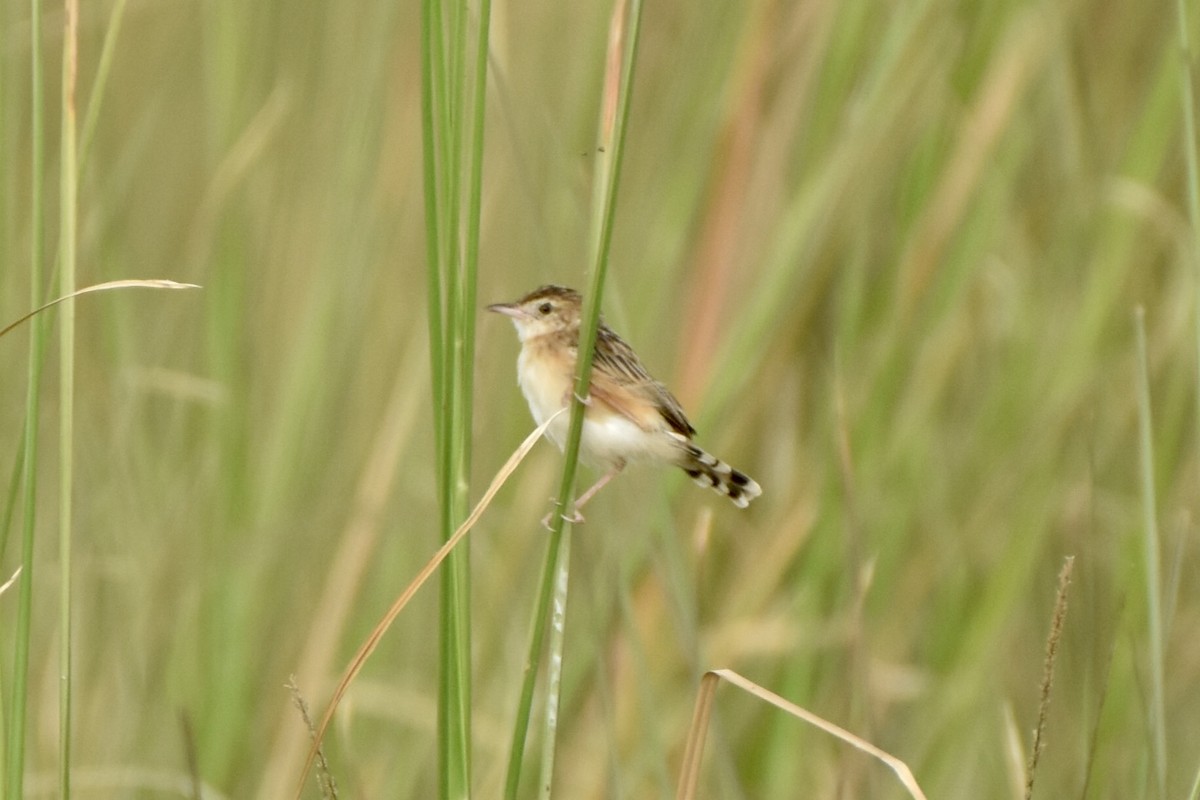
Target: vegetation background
(888, 254)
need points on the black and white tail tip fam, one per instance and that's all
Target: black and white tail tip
(707, 470)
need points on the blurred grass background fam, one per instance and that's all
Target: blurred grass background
(890, 258)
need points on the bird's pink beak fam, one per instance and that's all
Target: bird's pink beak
(507, 309)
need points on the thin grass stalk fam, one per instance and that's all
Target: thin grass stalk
(68, 217)
(1188, 92)
(608, 170)
(433, 292)
(537, 632)
(689, 774)
(475, 199)
(377, 633)
(431, 108)
(91, 116)
(452, 297)
(10, 507)
(1052, 641)
(693, 753)
(18, 707)
(464, 278)
(1150, 545)
(554, 668)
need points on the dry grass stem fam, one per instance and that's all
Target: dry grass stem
(324, 775)
(102, 287)
(368, 647)
(356, 544)
(4, 587)
(1056, 626)
(690, 771)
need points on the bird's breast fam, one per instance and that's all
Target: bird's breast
(545, 378)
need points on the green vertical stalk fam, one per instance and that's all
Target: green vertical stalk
(91, 117)
(68, 205)
(1188, 96)
(1150, 544)
(554, 667)
(15, 756)
(432, 227)
(609, 171)
(452, 248)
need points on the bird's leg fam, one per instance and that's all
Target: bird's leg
(597, 486)
(575, 518)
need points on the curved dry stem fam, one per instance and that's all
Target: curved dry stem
(372, 641)
(690, 771)
(102, 287)
(4, 587)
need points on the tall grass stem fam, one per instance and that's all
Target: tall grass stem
(554, 667)
(452, 245)
(68, 216)
(1151, 556)
(18, 707)
(1188, 96)
(615, 103)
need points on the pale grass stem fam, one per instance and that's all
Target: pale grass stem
(621, 58)
(100, 287)
(324, 776)
(1151, 559)
(689, 774)
(1056, 628)
(68, 223)
(377, 633)
(4, 587)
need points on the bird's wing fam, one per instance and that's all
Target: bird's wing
(620, 380)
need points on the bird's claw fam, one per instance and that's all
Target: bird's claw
(574, 518)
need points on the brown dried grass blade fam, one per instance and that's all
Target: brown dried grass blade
(102, 287)
(4, 587)
(695, 746)
(376, 635)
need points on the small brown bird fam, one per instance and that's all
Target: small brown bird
(629, 416)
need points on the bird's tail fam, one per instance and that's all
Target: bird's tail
(708, 470)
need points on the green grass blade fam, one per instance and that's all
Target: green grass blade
(10, 507)
(91, 117)
(608, 171)
(433, 236)
(18, 706)
(1150, 545)
(1188, 95)
(451, 277)
(554, 666)
(68, 217)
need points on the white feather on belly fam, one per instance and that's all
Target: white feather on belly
(608, 436)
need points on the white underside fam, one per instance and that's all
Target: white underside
(606, 441)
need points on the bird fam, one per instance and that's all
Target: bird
(629, 416)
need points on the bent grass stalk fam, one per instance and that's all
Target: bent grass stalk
(14, 743)
(615, 102)
(689, 774)
(372, 641)
(99, 287)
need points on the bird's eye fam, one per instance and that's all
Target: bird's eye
(545, 308)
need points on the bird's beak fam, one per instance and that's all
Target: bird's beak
(507, 309)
